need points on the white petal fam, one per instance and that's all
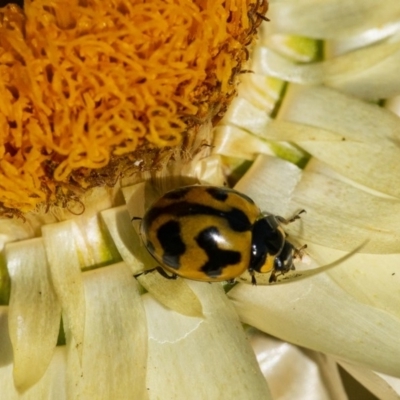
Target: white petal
(372, 279)
(209, 358)
(330, 18)
(52, 384)
(229, 140)
(318, 314)
(271, 182)
(368, 153)
(295, 373)
(373, 381)
(352, 118)
(365, 217)
(34, 312)
(184, 301)
(126, 239)
(281, 188)
(369, 73)
(392, 381)
(260, 90)
(114, 348)
(245, 115)
(14, 229)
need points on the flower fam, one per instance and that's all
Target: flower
(183, 339)
(92, 90)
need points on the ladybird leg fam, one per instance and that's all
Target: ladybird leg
(253, 278)
(298, 253)
(145, 272)
(272, 278)
(290, 220)
(160, 270)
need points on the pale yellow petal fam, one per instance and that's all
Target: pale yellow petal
(52, 384)
(183, 301)
(281, 188)
(125, 238)
(312, 375)
(318, 314)
(114, 348)
(207, 357)
(373, 381)
(332, 18)
(370, 73)
(34, 311)
(372, 279)
(65, 266)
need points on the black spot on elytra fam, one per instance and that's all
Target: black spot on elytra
(169, 236)
(237, 219)
(222, 194)
(218, 258)
(217, 193)
(177, 194)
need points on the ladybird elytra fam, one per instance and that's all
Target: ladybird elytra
(214, 234)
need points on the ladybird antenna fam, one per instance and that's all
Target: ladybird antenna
(297, 275)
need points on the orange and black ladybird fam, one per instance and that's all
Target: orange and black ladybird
(214, 234)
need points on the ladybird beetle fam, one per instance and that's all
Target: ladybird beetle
(213, 234)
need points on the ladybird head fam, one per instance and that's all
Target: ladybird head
(270, 252)
(283, 262)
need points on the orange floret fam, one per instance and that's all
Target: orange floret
(85, 83)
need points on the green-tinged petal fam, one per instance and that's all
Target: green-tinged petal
(261, 90)
(369, 73)
(331, 18)
(34, 312)
(318, 314)
(209, 358)
(368, 152)
(114, 350)
(229, 140)
(248, 116)
(297, 48)
(295, 373)
(65, 266)
(52, 384)
(383, 387)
